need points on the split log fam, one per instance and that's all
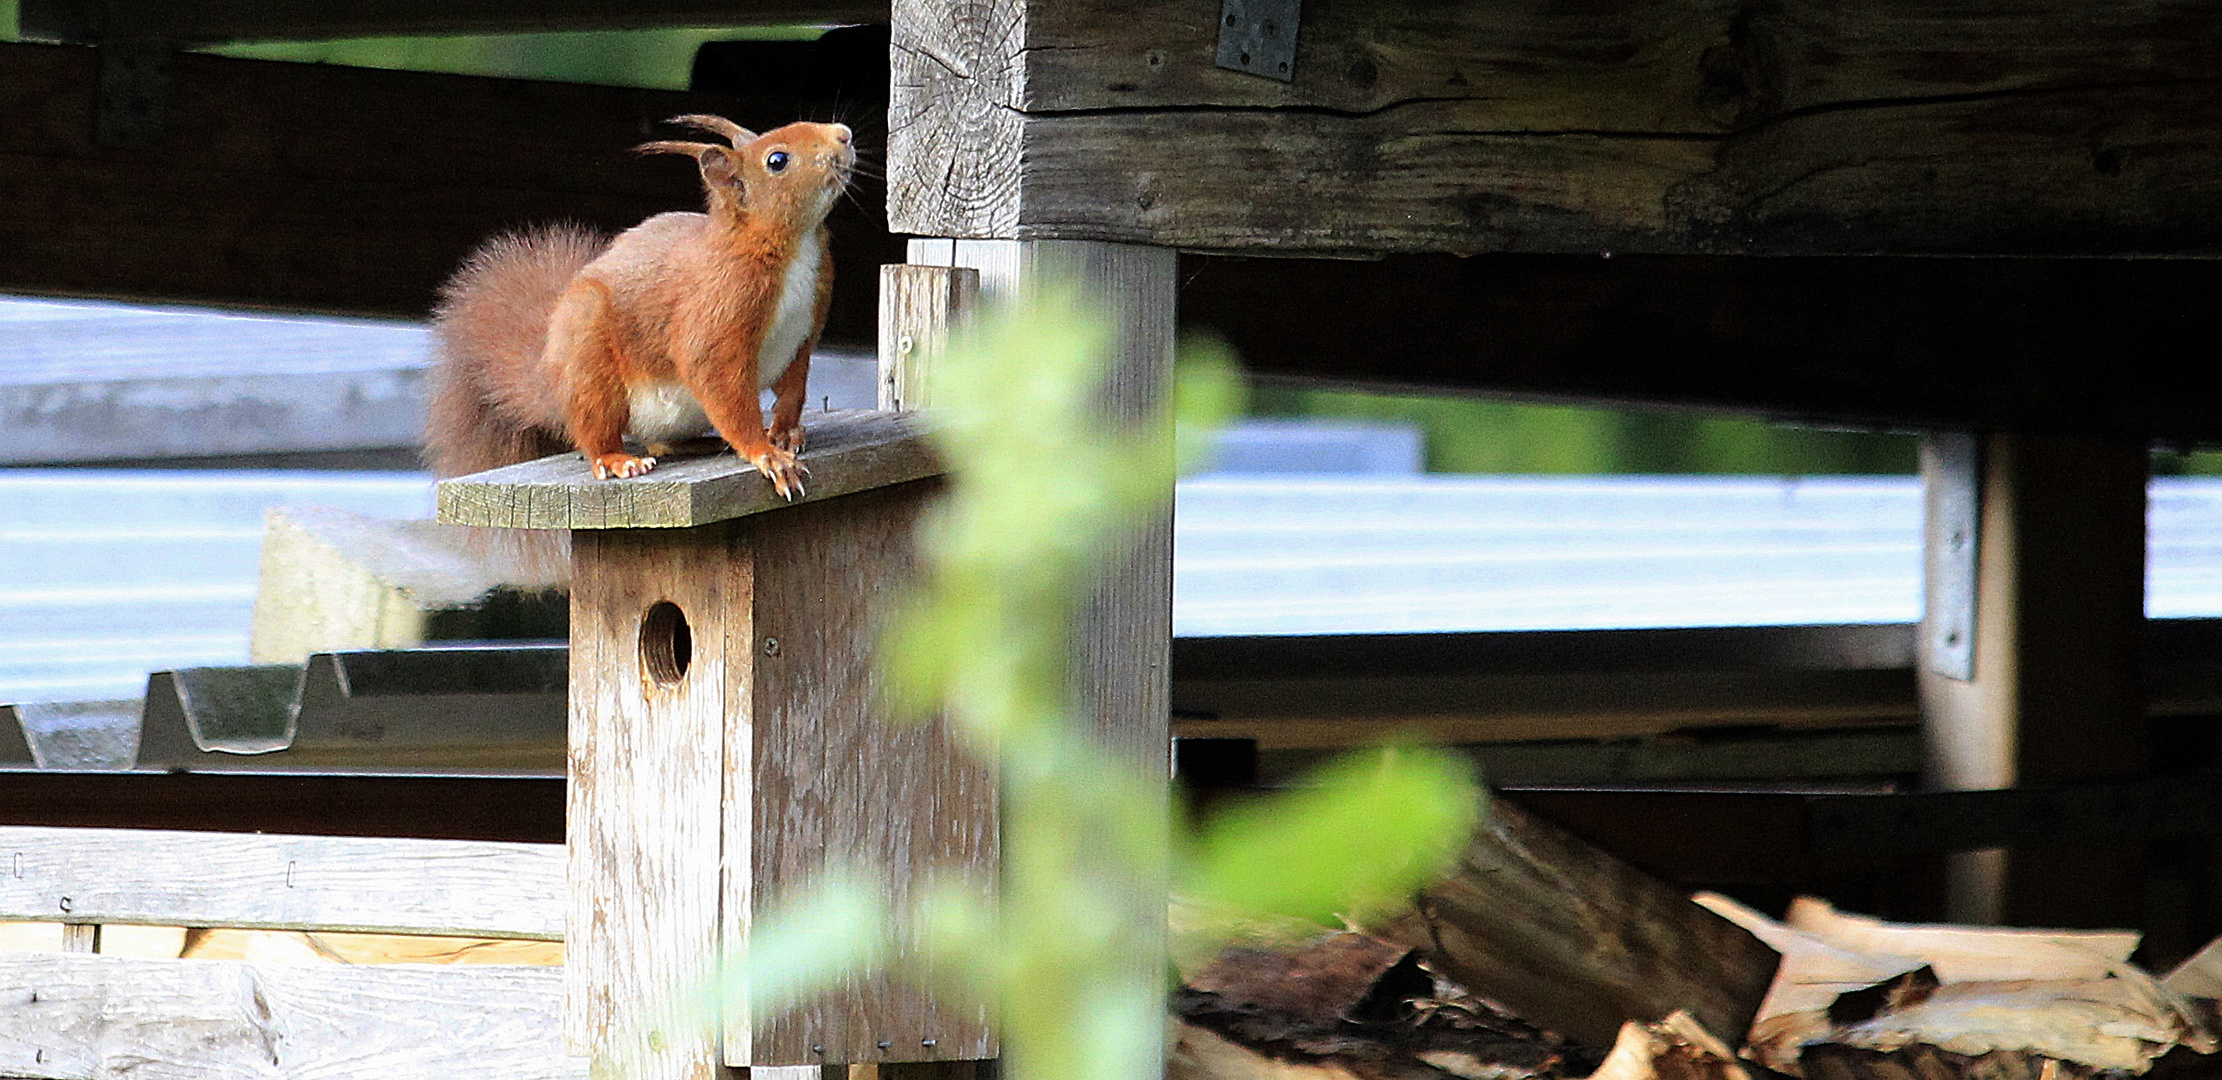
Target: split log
(1577, 941)
(1957, 1001)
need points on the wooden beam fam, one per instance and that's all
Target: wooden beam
(2057, 692)
(358, 884)
(309, 20)
(847, 452)
(2032, 344)
(348, 190)
(87, 1017)
(459, 808)
(1633, 125)
(1122, 667)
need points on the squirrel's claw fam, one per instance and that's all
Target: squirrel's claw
(778, 465)
(788, 438)
(621, 466)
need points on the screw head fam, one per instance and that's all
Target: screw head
(771, 646)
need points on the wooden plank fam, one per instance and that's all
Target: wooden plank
(350, 190)
(2031, 344)
(832, 779)
(918, 307)
(1341, 690)
(848, 451)
(647, 772)
(75, 1017)
(308, 20)
(524, 810)
(1662, 125)
(1578, 942)
(158, 878)
(1122, 668)
(2057, 694)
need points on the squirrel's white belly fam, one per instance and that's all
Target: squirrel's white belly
(798, 309)
(662, 412)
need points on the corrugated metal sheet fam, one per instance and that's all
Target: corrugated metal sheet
(110, 574)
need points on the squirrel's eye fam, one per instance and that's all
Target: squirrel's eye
(776, 161)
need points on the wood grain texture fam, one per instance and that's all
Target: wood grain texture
(1636, 125)
(833, 779)
(343, 189)
(308, 20)
(443, 887)
(1122, 668)
(73, 1017)
(919, 305)
(1577, 941)
(848, 451)
(647, 764)
(1125, 638)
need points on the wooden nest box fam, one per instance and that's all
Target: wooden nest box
(727, 740)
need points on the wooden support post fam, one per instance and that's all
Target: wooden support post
(2054, 693)
(1123, 671)
(918, 307)
(727, 744)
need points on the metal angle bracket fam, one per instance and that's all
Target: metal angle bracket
(1259, 37)
(1952, 486)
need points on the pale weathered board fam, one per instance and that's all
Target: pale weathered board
(443, 887)
(647, 771)
(831, 778)
(918, 307)
(1662, 125)
(84, 1017)
(847, 451)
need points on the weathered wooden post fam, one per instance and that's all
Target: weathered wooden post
(726, 741)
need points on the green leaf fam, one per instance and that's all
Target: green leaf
(1358, 836)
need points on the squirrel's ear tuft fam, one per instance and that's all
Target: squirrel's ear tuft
(669, 146)
(734, 133)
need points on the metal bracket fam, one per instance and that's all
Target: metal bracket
(1952, 505)
(134, 96)
(1259, 37)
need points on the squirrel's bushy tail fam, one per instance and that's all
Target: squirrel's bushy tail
(493, 403)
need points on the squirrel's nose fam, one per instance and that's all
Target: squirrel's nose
(841, 133)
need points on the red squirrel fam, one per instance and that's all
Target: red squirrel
(675, 326)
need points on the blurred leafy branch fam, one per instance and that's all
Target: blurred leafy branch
(1067, 949)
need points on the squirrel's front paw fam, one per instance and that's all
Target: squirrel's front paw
(780, 467)
(621, 466)
(788, 438)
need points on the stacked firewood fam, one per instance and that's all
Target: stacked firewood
(1543, 958)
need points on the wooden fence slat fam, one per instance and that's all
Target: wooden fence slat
(444, 887)
(81, 1017)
